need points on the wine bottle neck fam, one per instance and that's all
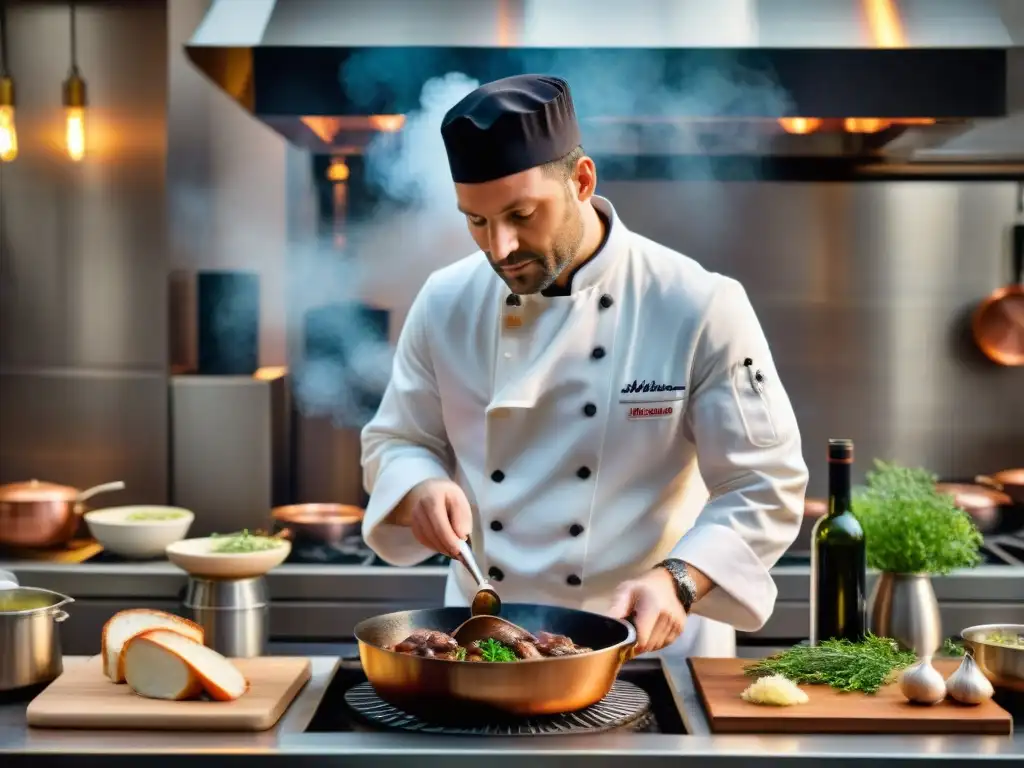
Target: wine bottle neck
(839, 487)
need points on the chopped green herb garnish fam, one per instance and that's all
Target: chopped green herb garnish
(492, 650)
(952, 647)
(460, 654)
(841, 664)
(245, 542)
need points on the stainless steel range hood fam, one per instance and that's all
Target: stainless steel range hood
(883, 86)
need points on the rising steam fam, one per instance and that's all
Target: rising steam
(392, 255)
(394, 252)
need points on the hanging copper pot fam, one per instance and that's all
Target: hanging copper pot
(36, 514)
(998, 322)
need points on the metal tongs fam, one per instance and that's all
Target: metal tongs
(486, 601)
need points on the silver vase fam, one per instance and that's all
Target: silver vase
(903, 606)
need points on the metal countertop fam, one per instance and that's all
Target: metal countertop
(288, 745)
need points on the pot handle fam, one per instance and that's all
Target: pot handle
(628, 653)
(88, 493)
(988, 481)
(8, 580)
(56, 607)
(60, 616)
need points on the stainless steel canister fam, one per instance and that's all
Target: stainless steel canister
(235, 613)
(30, 649)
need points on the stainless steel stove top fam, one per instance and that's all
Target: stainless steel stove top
(342, 709)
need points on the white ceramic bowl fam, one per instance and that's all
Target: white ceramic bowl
(138, 532)
(198, 558)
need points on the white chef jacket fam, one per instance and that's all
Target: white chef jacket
(595, 434)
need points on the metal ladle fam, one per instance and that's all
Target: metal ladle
(486, 601)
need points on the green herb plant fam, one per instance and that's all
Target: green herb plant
(863, 666)
(912, 527)
(492, 650)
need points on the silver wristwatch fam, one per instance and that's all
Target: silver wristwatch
(686, 587)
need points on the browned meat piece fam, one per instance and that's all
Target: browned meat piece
(524, 649)
(428, 643)
(509, 634)
(549, 644)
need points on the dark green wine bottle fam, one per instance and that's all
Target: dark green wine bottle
(838, 558)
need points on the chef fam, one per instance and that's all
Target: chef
(598, 414)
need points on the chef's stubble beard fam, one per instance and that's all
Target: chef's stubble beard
(564, 249)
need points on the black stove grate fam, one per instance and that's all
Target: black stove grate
(626, 706)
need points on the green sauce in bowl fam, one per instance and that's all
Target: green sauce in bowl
(154, 516)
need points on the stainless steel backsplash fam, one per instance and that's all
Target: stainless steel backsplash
(83, 255)
(865, 292)
(863, 289)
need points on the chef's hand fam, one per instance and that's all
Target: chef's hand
(438, 513)
(658, 615)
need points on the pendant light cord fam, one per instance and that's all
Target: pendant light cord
(74, 38)
(3, 38)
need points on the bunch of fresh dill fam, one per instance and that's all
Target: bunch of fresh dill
(912, 527)
(863, 666)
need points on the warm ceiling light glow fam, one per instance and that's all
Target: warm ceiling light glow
(865, 124)
(504, 24)
(800, 124)
(270, 373)
(338, 170)
(885, 24)
(325, 128)
(388, 123)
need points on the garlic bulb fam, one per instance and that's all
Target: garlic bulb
(968, 685)
(922, 683)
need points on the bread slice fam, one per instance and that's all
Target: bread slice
(164, 664)
(154, 672)
(124, 625)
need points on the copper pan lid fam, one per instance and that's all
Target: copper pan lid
(36, 491)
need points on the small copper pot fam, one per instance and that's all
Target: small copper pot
(321, 523)
(984, 505)
(35, 514)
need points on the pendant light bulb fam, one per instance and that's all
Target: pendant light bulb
(74, 116)
(8, 130)
(74, 99)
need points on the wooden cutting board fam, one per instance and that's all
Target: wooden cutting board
(721, 681)
(83, 698)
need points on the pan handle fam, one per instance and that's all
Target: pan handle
(628, 651)
(1018, 253)
(989, 482)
